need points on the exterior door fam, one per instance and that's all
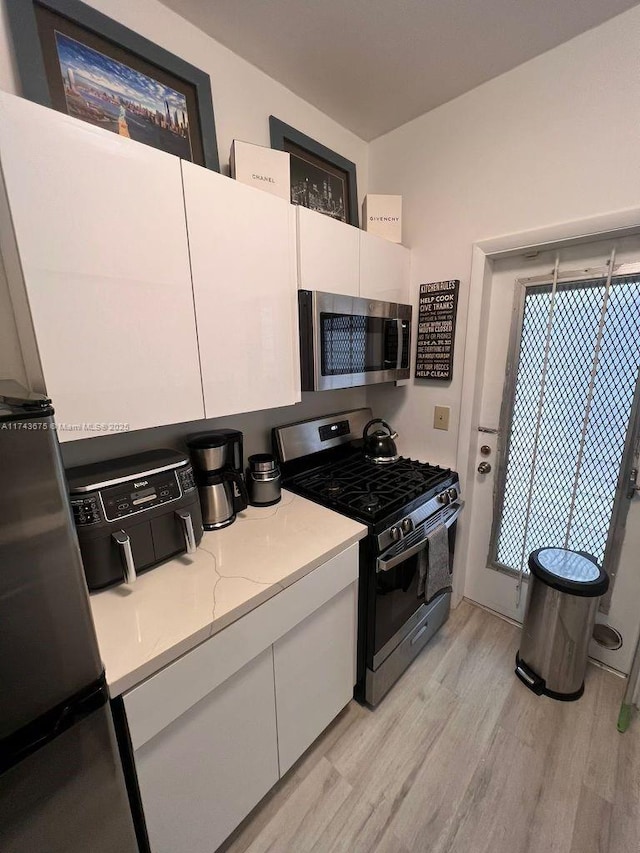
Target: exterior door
(558, 424)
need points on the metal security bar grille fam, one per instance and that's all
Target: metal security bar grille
(570, 406)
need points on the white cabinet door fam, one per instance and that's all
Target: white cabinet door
(384, 269)
(242, 248)
(314, 667)
(202, 774)
(328, 254)
(99, 239)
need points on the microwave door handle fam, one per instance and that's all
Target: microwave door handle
(397, 362)
(384, 565)
(123, 542)
(400, 344)
(186, 522)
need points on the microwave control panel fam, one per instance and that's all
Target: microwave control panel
(132, 496)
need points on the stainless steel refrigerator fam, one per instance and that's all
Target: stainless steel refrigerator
(62, 786)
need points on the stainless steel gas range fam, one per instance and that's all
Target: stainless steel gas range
(404, 505)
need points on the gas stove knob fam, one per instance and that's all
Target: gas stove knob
(453, 493)
(407, 525)
(396, 534)
(444, 498)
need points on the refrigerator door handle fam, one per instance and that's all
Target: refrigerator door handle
(126, 555)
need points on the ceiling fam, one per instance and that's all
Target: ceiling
(373, 65)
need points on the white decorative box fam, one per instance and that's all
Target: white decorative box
(382, 215)
(261, 167)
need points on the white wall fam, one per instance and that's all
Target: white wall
(255, 426)
(243, 96)
(555, 140)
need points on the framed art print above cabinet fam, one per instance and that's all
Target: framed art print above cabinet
(320, 179)
(80, 62)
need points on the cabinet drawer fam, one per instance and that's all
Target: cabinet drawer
(155, 703)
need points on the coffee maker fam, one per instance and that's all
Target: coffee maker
(217, 460)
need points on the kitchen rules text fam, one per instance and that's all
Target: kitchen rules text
(436, 329)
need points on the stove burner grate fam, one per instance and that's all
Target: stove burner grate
(368, 502)
(356, 485)
(332, 488)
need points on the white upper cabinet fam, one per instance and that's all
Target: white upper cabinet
(95, 247)
(242, 245)
(384, 269)
(338, 258)
(328, 254)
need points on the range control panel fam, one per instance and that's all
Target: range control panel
(334, 430)
(132, 496)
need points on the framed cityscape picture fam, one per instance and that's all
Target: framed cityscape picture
(76, 60)
(320, 179)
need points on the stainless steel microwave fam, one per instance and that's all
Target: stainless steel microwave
(346, 341)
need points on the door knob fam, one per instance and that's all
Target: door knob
(484, 468)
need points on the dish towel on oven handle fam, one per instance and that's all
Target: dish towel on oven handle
(434, 572)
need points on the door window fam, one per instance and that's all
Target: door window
(569, 398)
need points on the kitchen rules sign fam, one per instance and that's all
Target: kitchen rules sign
(436, 329)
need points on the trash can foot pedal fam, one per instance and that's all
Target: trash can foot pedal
(538, 686)
(528, 677)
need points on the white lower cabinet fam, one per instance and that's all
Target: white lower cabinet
(314, 674)
(202, 774)
(213, 731)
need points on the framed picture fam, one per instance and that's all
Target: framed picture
(76, 60)
(320, 179)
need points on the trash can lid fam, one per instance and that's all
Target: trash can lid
(575, 572)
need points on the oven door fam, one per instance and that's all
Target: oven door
(354, 341)
(399, 605)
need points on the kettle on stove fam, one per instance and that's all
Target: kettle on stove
(380, 446)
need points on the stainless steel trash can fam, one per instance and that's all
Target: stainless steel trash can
(564, 590)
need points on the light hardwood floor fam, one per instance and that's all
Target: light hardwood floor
(461, 758)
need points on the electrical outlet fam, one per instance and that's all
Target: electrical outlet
(441, 417)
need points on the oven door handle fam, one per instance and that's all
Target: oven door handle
(384, 565)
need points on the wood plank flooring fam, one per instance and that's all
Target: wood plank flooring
(461, 758)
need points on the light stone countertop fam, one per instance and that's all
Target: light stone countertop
(175, 606)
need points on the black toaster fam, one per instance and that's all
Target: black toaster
(132, 513)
